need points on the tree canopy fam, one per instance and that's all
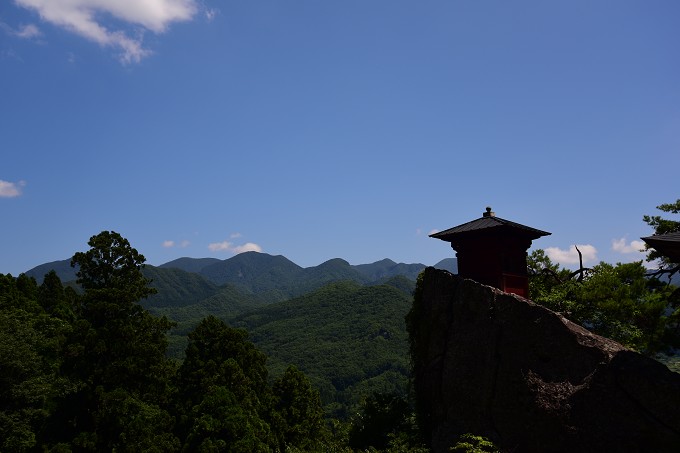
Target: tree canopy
(89, 371)
(616, 301)
(112, 264)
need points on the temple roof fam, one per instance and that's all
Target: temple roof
(489, 223)
(667, 244)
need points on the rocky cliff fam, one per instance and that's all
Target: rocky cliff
(498, 365)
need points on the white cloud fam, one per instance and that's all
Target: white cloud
(10, 189)
(27, 31)
(219, 246)
(235, 235)
(170, 244)
(247, 247)
(226, 246)
(570, 256)
(84, 17)
(619, 245)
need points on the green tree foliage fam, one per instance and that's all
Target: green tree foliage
(117, 342)
(469, 443)
(544, 274)
(297, 416)
(223, 391)
(116, 351)
(663, 226)
(380, 418)
(616, 301)
(113, 266)
(88, 372)
(30, 350)
(349, 339)
(56, 300)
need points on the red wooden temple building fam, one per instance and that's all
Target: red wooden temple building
(493, 251)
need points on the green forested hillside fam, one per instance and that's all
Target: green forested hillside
(387, 268)
(349, 339)
(63, 269)
(177, 288)
(256, 272)
(320, 330)
(187, 264)
(275, 278)
(89, 371)
(225, 302)
(333, 270)
(186, 281)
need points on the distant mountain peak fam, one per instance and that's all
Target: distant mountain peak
(333, 262)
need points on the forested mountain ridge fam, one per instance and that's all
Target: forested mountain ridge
(88, 371)
(277, 299)
(190, 264)
(276, 278)
(189, 289)
(187, 281)
(63, 269)
(348, 336)
(387, 268)
(350, 339)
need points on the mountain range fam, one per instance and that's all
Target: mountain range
(342, 324)
(270, 278)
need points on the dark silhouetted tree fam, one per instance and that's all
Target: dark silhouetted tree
(224, 398)
(297, 416)
(116, 355)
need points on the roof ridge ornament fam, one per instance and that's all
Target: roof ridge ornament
(489, 212)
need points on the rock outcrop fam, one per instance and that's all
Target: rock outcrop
(500, 366)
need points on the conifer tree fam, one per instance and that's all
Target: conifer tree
(116, 355)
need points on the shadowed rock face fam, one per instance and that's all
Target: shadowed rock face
(500, 366)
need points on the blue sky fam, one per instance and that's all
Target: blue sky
(322, 129)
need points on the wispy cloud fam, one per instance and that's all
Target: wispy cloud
(85, 17)
(25, 31)
(171, 244)
(28, 32)
(235, 235)
(247, 247)
(226, 246)
(570, 256)
(210, 13)
(220, 246)
(9, 54)
(620, 246)
(10, 189)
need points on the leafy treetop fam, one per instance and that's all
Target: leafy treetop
(112, 264)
